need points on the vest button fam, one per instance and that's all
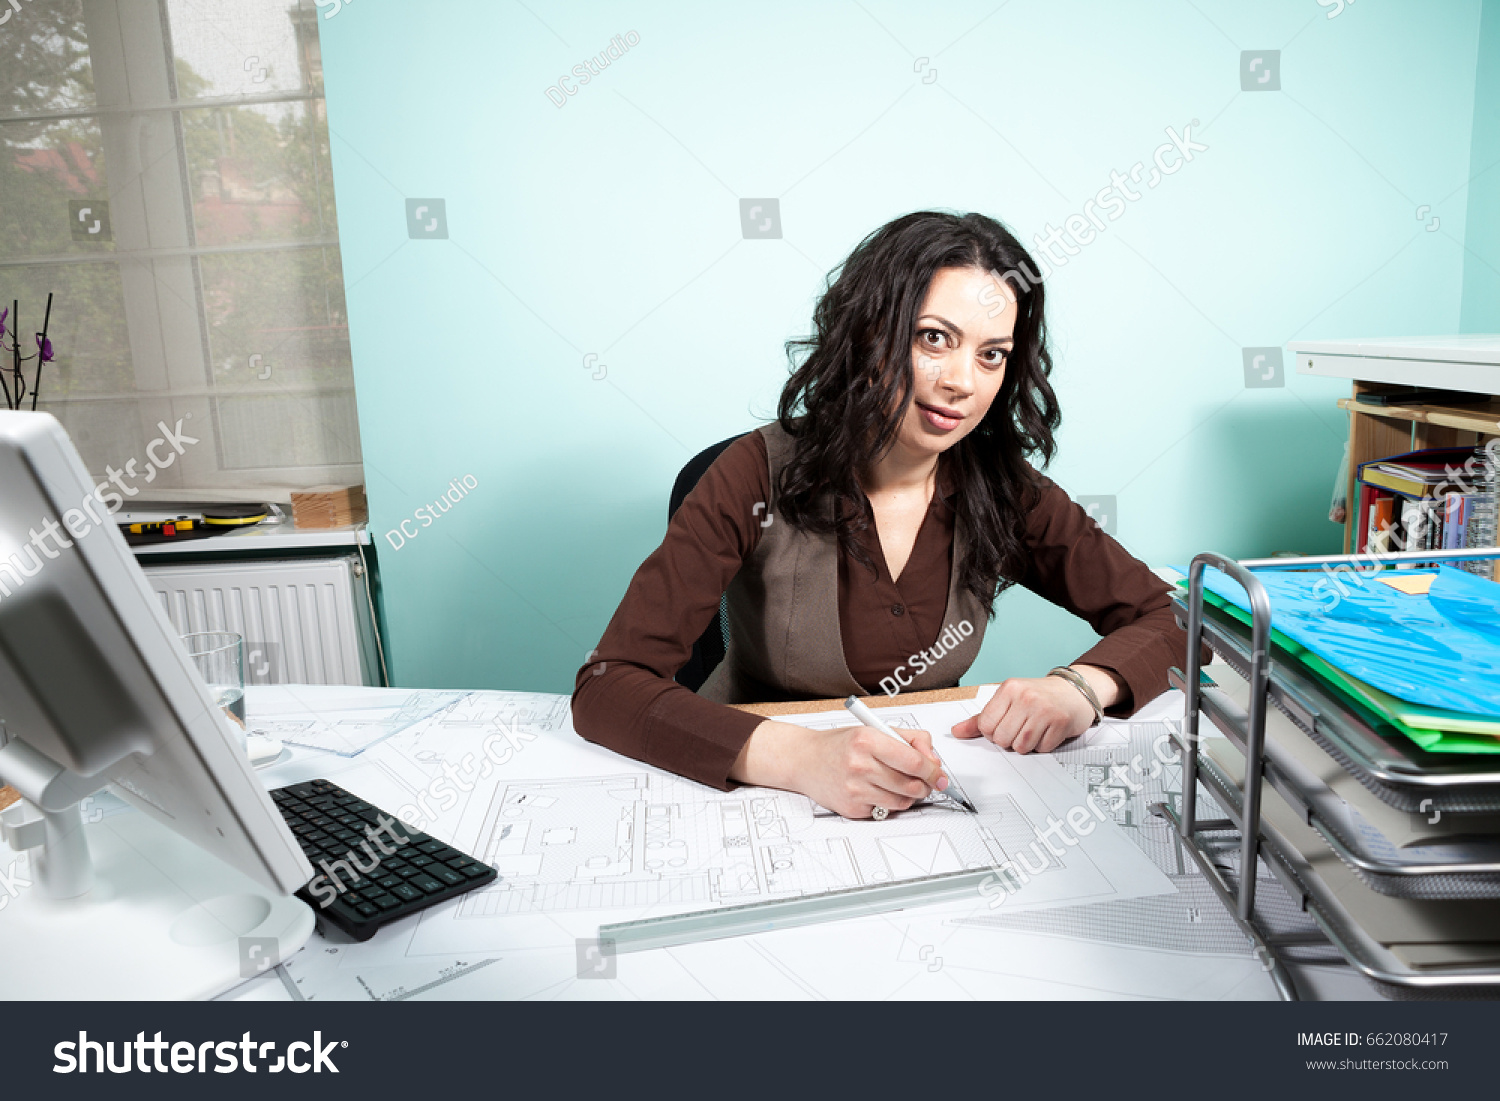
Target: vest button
(898, 609)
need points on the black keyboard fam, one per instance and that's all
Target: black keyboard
(370, 868)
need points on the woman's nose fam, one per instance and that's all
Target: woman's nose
(957, 375)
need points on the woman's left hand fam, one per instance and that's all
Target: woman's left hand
(1029, 715)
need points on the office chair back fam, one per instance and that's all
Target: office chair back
(709, 650)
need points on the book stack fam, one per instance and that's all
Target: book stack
(1438, 499)
(329, 507)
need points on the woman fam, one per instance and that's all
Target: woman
(862, 539)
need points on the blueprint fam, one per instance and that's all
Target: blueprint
(1129, 767)
(583, 837)
(653, 843)
(490, 711)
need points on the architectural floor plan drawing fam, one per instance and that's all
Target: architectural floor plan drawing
(583, 837)
(490, 710)
(577, 850)
(1128, 767)
(316, 975)
(641, 840)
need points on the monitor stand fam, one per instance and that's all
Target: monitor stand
(162, 919)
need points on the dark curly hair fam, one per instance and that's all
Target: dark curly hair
(845, 401)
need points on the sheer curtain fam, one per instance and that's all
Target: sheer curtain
(165, 173)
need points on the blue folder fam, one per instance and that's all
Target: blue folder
(1441, 649)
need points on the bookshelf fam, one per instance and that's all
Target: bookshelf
(1379, 430)
(1469, 363)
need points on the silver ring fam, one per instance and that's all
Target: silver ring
(879, 813)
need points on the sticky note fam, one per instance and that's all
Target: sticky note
(1411, 585)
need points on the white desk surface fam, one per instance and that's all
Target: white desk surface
(933, 952)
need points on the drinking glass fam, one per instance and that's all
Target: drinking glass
(220, 658)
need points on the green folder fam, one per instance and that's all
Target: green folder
(1434, 729)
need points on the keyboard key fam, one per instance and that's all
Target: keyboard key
(331, 826)
(446, 875)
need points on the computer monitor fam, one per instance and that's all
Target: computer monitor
(97, 690)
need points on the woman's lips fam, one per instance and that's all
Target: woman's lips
(944, 420)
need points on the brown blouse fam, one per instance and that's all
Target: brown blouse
(625, 697)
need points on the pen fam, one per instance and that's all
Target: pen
(860, 711)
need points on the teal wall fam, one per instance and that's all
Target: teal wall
(610, 227)
(1481, 302)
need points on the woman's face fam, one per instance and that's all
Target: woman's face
(958, 358)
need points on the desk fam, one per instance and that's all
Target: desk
(948, 951)
(801, 707)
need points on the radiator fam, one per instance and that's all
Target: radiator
(304, 620)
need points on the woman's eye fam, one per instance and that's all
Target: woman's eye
(933, 338)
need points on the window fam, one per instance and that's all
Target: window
(164, 172)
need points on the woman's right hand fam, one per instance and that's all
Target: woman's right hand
(851, 770)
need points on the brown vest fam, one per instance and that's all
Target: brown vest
(784, 637)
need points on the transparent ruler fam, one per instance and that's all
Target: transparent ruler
(788, 913)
